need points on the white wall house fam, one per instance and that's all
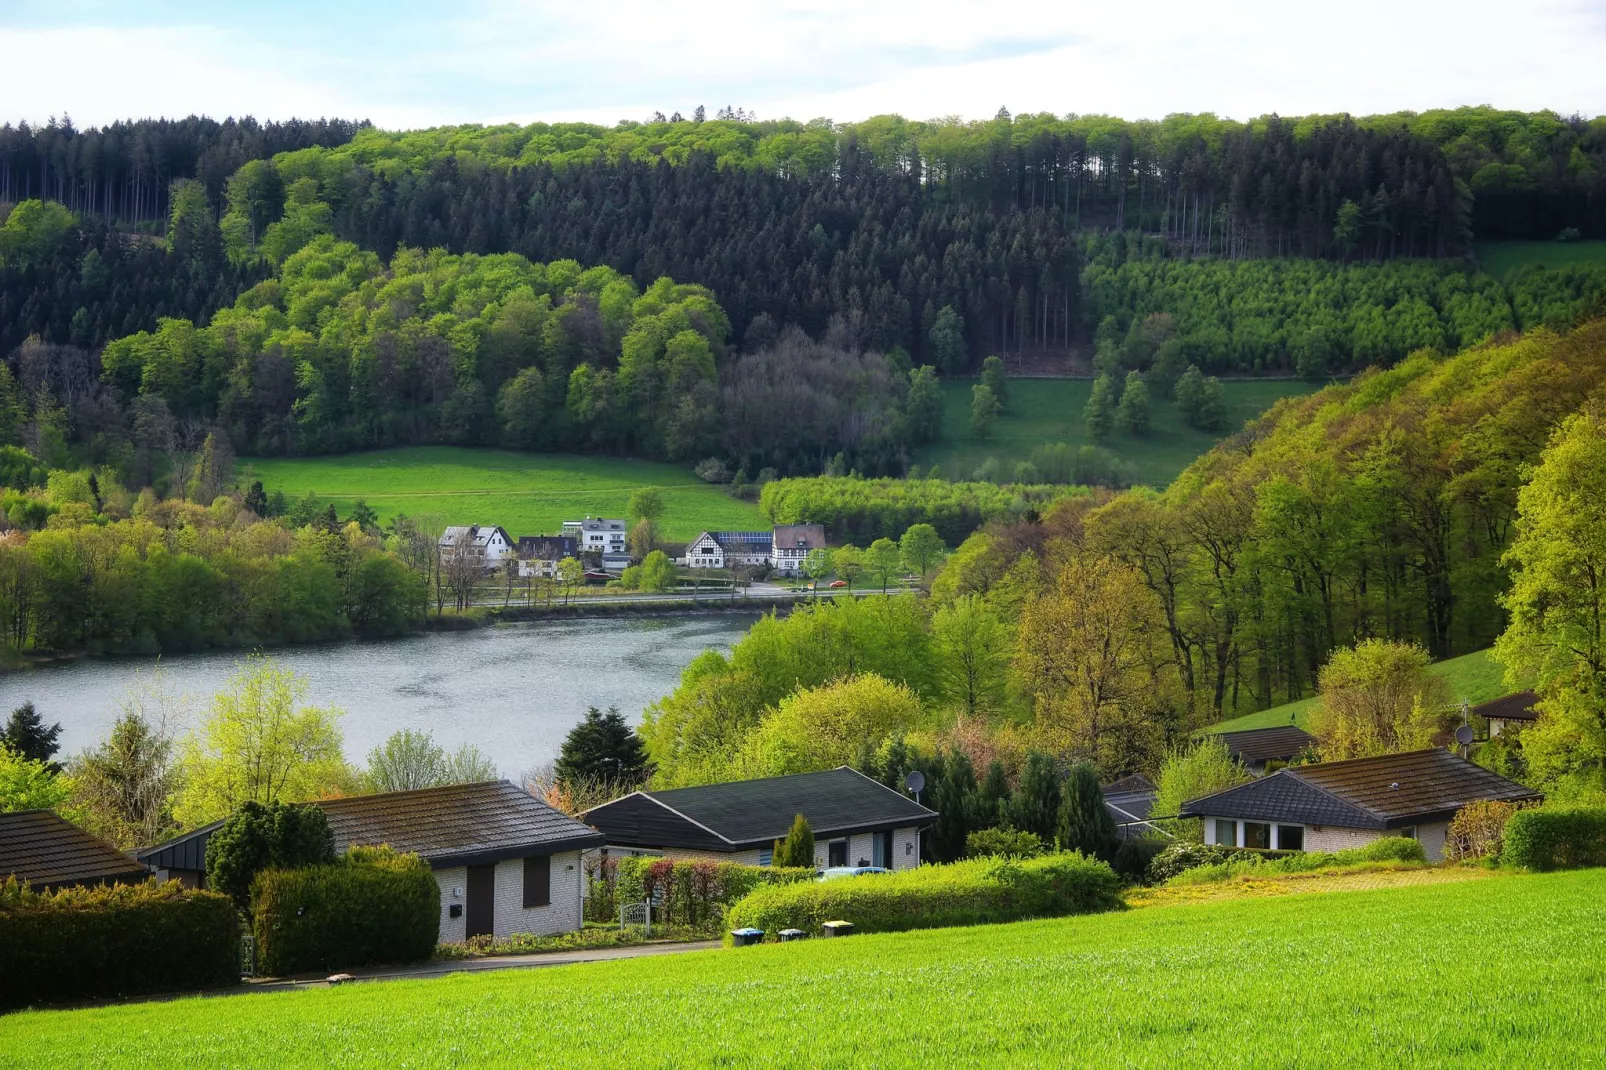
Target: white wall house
(791, 543)
(598, 535)
(504, 861)
(856, 821)
(729, 549)
(1331, 806)
(489, 543)
(539, 554)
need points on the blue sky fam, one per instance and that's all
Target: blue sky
(406, 64)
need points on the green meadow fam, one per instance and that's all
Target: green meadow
(526, 493)
(1501, 258)
(1502, 971)
(1473, 678)
(1042, 411)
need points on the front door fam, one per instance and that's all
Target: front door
(480, 916)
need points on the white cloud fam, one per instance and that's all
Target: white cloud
(525, 59)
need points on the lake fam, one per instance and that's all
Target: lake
(512, 690)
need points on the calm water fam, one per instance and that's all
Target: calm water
(513, 690)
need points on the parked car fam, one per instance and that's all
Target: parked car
(835, 584)
(835, 872)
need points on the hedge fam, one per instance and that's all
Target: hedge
(1383, 852)
(972, 892)
(690, 892)
(113, 941)
(1558, 838)
(373, 906)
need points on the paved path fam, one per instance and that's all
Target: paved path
(489, 962)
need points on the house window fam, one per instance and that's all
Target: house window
(1409, 832)
(766, 857)
(1290, 837)
(1257, 834)
(1227, 833)
(537, 881)
(836, 853)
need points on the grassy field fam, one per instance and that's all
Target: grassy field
(1501, 258)
(1042, 411)
(1473, 678)
(1429, 975)
(526, 493)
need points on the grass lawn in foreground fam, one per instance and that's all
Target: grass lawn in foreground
(526, 493)
(1043, 411)
(1506, 971)
(1501, 258)
(1473, 678)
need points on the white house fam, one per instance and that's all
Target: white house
(791, 543)
(1333, 805)
(856, 821)
(488, 543)
(729, 549)
(598, 535)
(505, 862)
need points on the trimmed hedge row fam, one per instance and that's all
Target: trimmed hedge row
(694, 893)
(1384, 850)
(973, 892)
(373, 906)
(1559, 838)
(113, 941)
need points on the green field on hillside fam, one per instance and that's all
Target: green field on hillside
(1473, 678)
(1042, 411)
(526, 493)
(1504, 971)
(1501, 258)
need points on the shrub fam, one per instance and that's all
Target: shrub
(1387, 852)
(256, 837)
(374, 905)
(1555, 838)
(1003, 843)
(973, 892)
(1184, 855)
(113, 941)
(694, 893)
(1133, 857)
(797, 849)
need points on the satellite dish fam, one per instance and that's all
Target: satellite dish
(1463, 735)
(915, 781)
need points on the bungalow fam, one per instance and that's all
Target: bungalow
(791, 543)
(1509, 711)
(1333, 805)
(1130, 800)
(1255, 748)
(489, 544)
(45, 852)
(730, 549)
(505, 862)
(539, 554)
(856, 821)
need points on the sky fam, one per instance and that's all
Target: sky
(410, 63)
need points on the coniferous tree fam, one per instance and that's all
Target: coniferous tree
(1034, 806)
(26, 734)
(603, 747)
(797, 849)
(1085, 823)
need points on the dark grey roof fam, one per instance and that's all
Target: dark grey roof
(743, 542)
(548, 547)
(749, 813)
(456, 825)
(1513, 707)
(1279, 742)
(1128, 785)
(1388, 791)
(43, 850)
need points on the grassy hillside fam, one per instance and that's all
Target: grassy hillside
(1413, 975)
(1501, 258)
(1473, 678)
(527, 493)
(1050, 410)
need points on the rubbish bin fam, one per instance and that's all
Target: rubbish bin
(746, 937)
(788, 935)
(837, 928)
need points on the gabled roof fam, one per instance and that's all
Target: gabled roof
(455, 825)
(1388, 791)
(755, 813)
(743, 542)
(548, 547)
(1280, 742)
(44, 850)
(1137, 783)
(478, 535)
(799, 536)
(1513, 707)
